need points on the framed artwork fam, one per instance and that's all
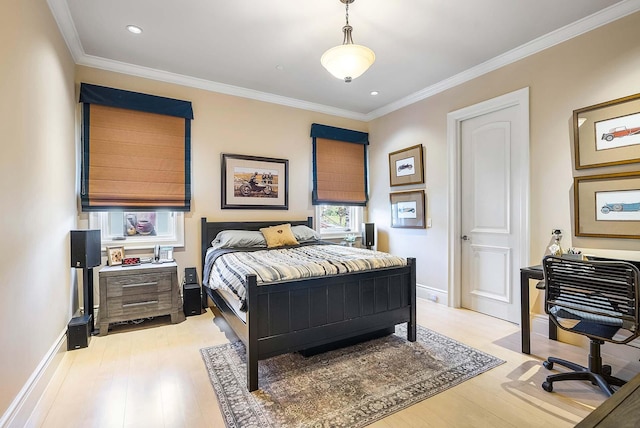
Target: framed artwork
(608, 133)
(115, 255)
(252, 182)
(406, 166)
(607, 205)
(407, 209)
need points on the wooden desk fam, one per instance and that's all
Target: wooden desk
(618, 411)
(527, 273)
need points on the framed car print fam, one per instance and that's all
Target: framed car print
(406, 166)
(407, 209)
(607, 205)
(607, 134)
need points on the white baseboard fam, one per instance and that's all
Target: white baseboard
(430, 293)
(20, 410)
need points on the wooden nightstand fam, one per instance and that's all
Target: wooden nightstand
(133, 292)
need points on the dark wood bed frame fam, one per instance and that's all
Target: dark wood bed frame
(292, 316)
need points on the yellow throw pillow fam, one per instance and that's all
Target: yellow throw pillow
(278, 236)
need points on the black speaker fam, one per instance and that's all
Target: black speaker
(79, 332)
(368, 235)
(190, 276)
(192, 305)
(85, 248)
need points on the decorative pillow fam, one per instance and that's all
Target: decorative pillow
(278, 236)
(239, 239)
(304, 233)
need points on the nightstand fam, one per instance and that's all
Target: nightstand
(133, 292)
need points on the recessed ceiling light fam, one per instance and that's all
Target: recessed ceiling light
(374, 93)
(279, 67)
(134, 29)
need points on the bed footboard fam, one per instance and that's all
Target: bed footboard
(298, 315)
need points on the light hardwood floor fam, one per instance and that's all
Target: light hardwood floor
(153, 376)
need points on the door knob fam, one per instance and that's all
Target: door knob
(465, 238)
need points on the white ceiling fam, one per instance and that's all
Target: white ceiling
(270, 49)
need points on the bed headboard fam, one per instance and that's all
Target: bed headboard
(209, 230)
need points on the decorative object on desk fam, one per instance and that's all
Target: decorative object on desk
(607, 205)
(405, 166)
(607, 133)
(289, 396)
(573, 253)
(252, 182)
(86, 254)
(115, 255)
(407, 209)
(131, 261)
(554, 248)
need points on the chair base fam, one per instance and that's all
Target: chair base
(596, 373)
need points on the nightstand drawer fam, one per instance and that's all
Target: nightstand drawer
(135, 292)
(139, 305)
(138, 284)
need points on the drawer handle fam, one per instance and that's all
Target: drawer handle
(150, 302)
(142, 284)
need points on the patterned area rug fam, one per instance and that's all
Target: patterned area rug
(348, 387)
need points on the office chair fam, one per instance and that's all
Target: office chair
(598, 299)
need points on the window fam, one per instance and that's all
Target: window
(336, 221)
(136, 151)
(339, 166)
(136, 230)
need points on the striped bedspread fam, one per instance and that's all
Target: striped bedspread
(227, 269)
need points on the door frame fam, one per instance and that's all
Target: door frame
(518, 98)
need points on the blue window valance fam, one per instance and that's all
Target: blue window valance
(102, 95)
(339, 134)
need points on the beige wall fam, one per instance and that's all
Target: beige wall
(38, 108)
(227, 124)
(596, 67)
(37, 182)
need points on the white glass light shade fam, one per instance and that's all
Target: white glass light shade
(348, 61)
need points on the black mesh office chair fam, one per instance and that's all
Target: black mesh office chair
(598, 299)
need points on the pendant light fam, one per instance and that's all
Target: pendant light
(348, 60)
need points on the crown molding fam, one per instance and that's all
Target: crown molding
(208, 85)
(64, 20)
(603, 17)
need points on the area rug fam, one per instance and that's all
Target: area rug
(348, 387)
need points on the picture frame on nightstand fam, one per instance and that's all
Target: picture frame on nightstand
(115, 255)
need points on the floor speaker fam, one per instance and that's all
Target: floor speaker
(192, 304)
(79, 332)
(368, 235)
(85, 248)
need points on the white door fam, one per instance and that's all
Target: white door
(491, 186)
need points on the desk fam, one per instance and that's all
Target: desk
(527, 273)
(619, 411)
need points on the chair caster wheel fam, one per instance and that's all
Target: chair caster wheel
(547, 365)
(606, 370)
(547, 386)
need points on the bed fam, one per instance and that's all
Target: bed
(315, 313)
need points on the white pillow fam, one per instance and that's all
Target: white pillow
(304, 233)
(239, 239)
